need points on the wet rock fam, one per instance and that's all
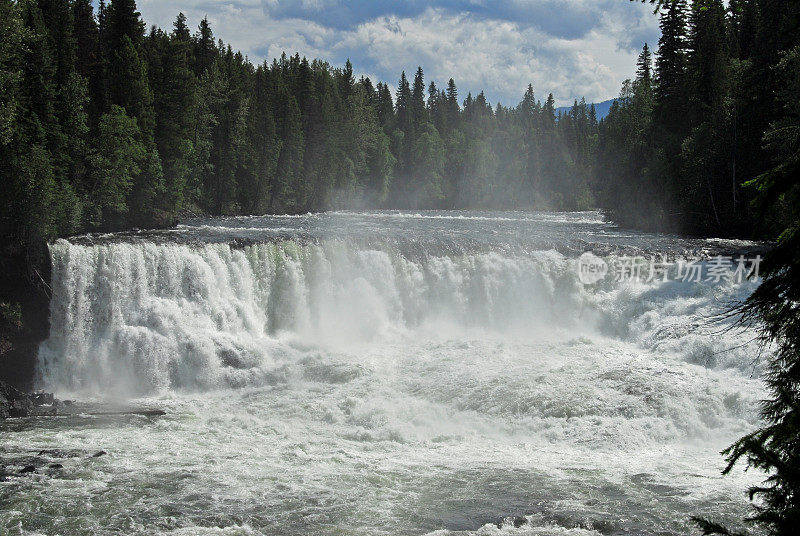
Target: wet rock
(231, 359)
(62, 453)
(515, 521)
(42, 399)
(15, 403)
(99, 453)
(55, 466)
(27, 469)
(20, 407)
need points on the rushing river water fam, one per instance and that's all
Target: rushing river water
(386, 373)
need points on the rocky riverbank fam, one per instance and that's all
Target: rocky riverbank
(17, 403)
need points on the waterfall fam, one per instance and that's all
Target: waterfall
(145, 317)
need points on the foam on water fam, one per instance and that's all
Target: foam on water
(338, 387)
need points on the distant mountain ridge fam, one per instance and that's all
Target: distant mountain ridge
(601, 108)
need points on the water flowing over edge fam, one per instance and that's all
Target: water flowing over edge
(142, 317)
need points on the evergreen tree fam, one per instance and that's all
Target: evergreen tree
(670, 95)
(123, 20)
(87, 58)
(205, 49)
(130, 87)
(403, 104)
(116, 162)
(419, 114)
(644, 65)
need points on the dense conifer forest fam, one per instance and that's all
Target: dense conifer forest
(685, 140)
(109, 125)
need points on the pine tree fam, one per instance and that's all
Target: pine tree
(181, 29)
(346, 81)
(173, 86)
(11, 36)
(708, 60)
(87, 63)
(290, 162)
(452, 110)
(205, 49)
(403, 104)
(670, 95)
(419, 114)
(644, 66)
(58, 20)
(129, 87)
(34, 206)
(116, 162)
(123, 20)
(385, 106)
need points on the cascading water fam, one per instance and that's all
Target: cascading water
(149, 317)
(391, 373)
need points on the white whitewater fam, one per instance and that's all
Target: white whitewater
(348, 386)
(146, 318)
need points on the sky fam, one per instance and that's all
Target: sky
(571, 48)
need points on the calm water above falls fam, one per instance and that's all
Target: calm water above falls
(386, 373)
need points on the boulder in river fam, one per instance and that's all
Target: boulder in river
(20, 407)
(63, 453)
(16, 403)
(41, 399)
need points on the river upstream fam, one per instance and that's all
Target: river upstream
(387, 373)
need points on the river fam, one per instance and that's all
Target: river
(388, 373)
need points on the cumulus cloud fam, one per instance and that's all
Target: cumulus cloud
(572, 48)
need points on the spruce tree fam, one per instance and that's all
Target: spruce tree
(205, 49)
(419, 114)
(129, 86)
(644, 65)
(123, 20)
(670, 95)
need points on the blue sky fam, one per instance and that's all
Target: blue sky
(571, 48)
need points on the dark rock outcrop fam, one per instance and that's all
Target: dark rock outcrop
(41, 399)
(16, 403)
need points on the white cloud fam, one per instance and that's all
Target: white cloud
(500, 56)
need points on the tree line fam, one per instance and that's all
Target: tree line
(108, 125)
(683, 142)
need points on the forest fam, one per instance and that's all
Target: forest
(687, 137)
(107, 125)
